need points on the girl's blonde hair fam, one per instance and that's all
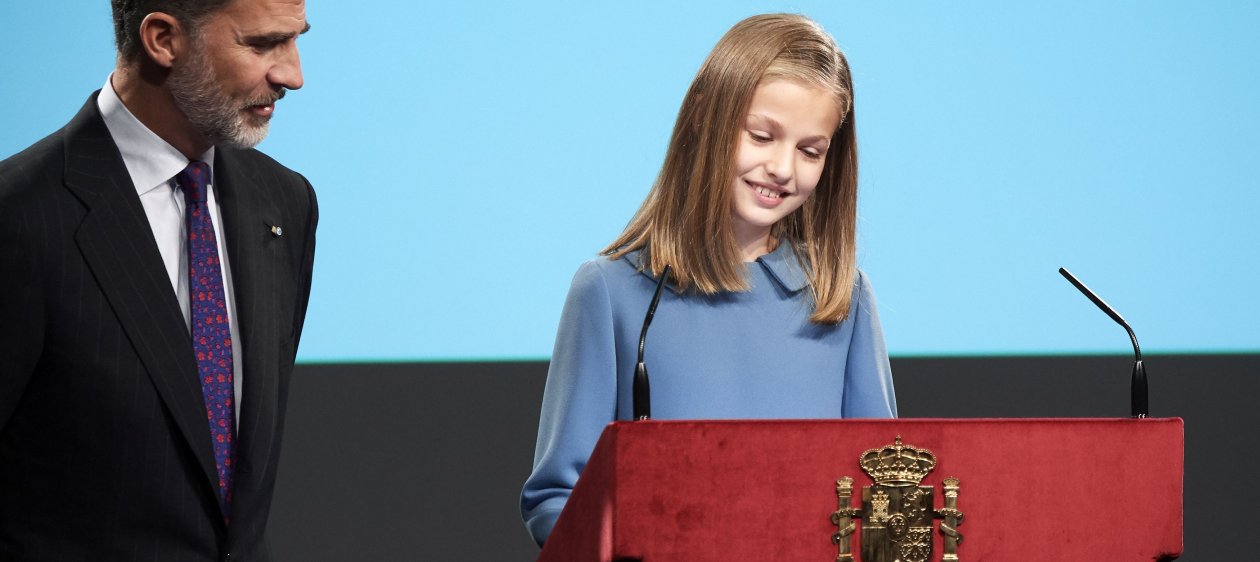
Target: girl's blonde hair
(686, 219)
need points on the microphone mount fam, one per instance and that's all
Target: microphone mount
(642, 392)
(1137, 387)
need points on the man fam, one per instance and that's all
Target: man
(154, 275)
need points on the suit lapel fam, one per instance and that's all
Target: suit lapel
(117, 243)
(257, 270)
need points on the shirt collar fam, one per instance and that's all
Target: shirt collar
(151, 162)
(782, 264)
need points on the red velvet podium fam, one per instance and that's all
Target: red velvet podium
(1030, 489)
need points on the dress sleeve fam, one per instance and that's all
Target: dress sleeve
(868, 383)
(579, 400)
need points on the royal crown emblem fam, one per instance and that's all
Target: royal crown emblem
(897, 464)
(897, 512)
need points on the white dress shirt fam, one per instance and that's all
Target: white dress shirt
(153, 164)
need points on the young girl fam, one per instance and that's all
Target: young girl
(766, 314)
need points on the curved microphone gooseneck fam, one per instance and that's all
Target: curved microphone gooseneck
(1137, 389)
(642, 388)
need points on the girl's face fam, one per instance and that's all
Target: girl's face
(779, 158)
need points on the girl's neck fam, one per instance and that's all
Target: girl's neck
(754, 244)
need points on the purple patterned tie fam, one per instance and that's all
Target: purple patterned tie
(212, 338)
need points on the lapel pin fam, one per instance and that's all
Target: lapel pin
(277, 231)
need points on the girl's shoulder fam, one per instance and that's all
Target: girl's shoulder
(604, 274)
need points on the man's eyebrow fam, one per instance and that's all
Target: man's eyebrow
(278, 37)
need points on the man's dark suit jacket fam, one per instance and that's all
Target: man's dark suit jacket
(105, 449)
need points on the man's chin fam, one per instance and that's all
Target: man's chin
(246, 136)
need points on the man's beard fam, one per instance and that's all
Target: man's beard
(213, 114)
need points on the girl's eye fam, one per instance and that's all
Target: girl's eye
(759, 136)
(811, 153)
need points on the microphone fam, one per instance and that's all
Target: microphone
(1137, 388)
(642, 389)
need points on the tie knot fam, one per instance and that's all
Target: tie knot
(193, 180)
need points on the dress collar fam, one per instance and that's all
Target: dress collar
(782, 265)
(785, 267)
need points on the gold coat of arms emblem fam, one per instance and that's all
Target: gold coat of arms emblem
(897, 512)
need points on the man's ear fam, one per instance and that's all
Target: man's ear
(163, 38)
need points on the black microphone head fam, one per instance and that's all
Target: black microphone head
(1093, 297)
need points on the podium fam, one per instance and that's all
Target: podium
(1029, 489)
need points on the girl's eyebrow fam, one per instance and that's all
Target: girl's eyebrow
(769, 120)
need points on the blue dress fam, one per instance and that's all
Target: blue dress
(743, 355)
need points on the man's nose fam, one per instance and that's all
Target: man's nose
(287, 72)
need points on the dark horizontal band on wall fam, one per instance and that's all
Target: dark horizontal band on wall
(404, 461)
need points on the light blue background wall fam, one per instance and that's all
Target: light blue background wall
(469, 155)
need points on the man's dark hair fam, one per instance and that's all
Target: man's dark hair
(129, 13)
